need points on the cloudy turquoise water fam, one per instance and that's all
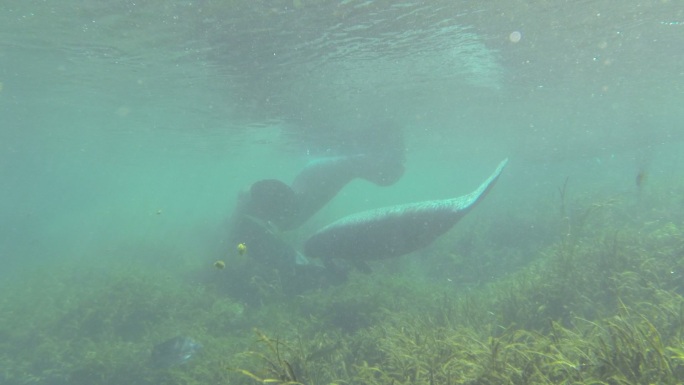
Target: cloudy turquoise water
(129, 127)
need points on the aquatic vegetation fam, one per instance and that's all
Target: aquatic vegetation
(601, 305)
(175, 351)
(623, 349)
(278, 368)
(596, 309)
(64, 334)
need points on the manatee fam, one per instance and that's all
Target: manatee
(323, 178)
(396, 230)
(175, 351)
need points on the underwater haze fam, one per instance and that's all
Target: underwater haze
(129, 129)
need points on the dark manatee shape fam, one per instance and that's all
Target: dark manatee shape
(393, 231)
(175, 351)
(322, 179)
(272, 201)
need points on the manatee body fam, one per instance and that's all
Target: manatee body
(322, 179)
(393, 231)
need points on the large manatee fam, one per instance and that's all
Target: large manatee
(393, 231)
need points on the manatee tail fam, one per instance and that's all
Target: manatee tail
(467, 202)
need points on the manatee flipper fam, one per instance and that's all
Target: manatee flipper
(397, 230)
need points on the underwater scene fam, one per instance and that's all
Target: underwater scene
(353, 192)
